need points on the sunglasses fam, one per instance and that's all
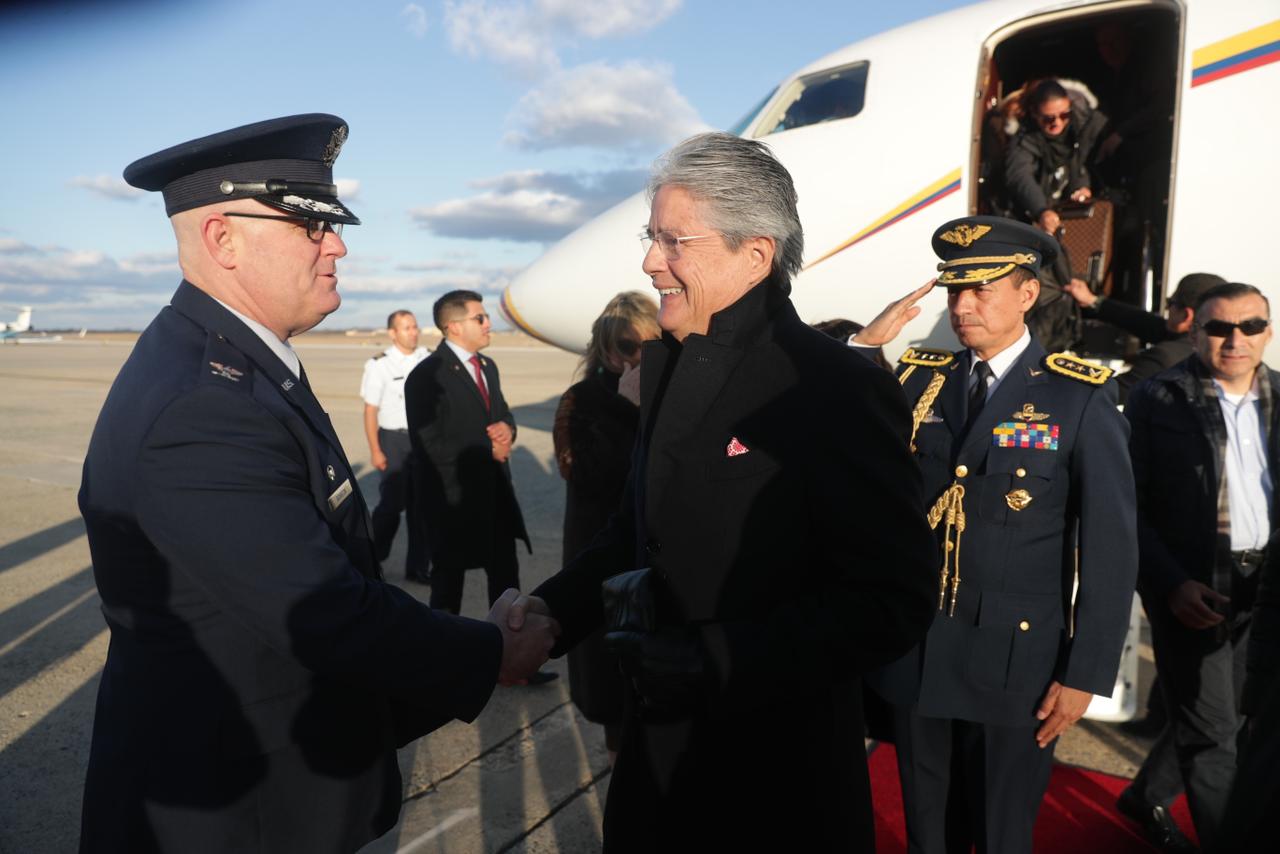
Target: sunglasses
(1224, 328)
(628, 346)
(1055, 117)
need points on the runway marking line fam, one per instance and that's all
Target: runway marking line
(453, 818)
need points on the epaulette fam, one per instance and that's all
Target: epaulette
(926, 358)
(224, 364)
(1077, 369)
(380, 355)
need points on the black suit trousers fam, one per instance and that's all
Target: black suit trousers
(1202, 674)
(502, 570)
(967, 784)
(395, 496)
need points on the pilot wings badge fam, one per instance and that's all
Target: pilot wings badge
(964, 235)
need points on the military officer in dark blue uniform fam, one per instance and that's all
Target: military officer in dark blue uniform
(260, 674)
(1026, 471)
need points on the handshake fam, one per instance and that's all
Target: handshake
(528, 634)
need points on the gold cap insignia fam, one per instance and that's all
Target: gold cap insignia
(1029, 413)
(964, 235)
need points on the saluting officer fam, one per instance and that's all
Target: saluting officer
(386, 427)
(257, 684)
(1026, 471)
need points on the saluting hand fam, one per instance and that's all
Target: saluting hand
(896, 315)
(1060, 709)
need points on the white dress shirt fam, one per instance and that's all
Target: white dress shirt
(383, 385)
(464, 356)
(280, 348)
(1001, 362)
(1249, 486)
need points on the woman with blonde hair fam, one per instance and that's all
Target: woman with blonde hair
(595, 428)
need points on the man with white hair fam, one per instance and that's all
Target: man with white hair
(779, 521)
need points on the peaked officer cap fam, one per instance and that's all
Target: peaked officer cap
(286, 163)
(977, 250)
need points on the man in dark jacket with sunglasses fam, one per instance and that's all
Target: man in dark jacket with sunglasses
(1205, 451)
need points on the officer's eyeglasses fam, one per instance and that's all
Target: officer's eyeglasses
(315, 227)
(1224, 328)
(668, 243)
(1047, 120)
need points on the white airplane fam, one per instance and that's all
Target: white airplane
(885, 139)
(11, 331)
(891, 136)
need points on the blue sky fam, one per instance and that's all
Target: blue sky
(481, 130)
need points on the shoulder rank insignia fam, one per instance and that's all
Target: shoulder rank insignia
(919, 357)
(226, 372)
(965, 234)
(1077, 369)
(926, 358)
(380, 356)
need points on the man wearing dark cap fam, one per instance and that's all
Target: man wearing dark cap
(256, 686)
(1027, 476)
(1167, 335)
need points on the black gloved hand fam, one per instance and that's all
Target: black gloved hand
(667, 668)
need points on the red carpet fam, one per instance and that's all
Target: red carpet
(1078, 814)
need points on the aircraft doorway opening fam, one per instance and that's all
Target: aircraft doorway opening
(1118, 65)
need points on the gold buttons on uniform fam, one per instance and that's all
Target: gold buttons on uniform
(962, 470)
(1024, 626)
(1021, 472)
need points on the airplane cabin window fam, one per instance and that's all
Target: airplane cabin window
(825, 96)
(740, 126)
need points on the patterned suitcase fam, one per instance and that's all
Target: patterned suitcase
(1087, 234)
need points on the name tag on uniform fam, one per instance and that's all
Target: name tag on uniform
(341, 494)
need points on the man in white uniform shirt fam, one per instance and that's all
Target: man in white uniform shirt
(387, 428)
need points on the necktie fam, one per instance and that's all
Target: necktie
(978, 394)
(484, 392)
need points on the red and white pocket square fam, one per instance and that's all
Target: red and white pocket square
(735, 448)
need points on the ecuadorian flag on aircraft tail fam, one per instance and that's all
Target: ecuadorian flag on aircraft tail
(1257, 47)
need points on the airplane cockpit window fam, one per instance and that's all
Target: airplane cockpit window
(825, 96)
(740, 126)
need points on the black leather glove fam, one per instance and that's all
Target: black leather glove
(667, 668)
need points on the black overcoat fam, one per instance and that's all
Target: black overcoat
(1018, 623)
(801, 563)
(256, 686)
(462, 487)
(595, 431)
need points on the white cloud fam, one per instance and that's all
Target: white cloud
(415, 19)
(526, 34)
(634, 105)
(348, 188)
(506, 33)
(529, 206)
(14, 246)
(107, 186)
(602, 18)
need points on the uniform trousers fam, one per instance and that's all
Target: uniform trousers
(395, 496)
(968, 784)
(1202, 673)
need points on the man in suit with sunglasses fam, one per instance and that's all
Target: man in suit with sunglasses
(259, 678)
(1205, 451)
(462, 432)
